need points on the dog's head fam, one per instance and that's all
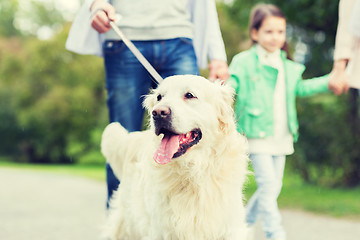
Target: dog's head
(188, 110)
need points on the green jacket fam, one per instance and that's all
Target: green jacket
(254, 84)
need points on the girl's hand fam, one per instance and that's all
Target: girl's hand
(101, 13)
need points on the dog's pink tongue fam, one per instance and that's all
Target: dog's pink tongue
(168, 147)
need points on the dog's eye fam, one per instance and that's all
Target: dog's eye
(189, 95)
(159, 97)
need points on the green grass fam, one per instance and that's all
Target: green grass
(295, 193)
(96, 172)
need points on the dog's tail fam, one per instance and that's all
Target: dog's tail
(112, 140)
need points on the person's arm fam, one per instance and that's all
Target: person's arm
(208, 42)
(218, 67)
(343, 48)
(344, 39)
(83, 38)
(310, 87)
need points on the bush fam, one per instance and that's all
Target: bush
(328, 151)
(52, 102)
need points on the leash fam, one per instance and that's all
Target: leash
(157, 78)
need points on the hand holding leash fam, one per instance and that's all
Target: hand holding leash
(102, 13)
(103, 18)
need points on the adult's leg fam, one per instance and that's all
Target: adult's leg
(126, 82)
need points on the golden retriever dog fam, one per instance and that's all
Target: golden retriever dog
(183, 178)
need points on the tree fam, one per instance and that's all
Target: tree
(8, 8)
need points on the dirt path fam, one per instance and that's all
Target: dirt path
(307, 226)
(45, 206)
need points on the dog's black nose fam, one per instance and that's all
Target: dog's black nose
(161, 112)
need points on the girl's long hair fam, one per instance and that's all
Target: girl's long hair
(258, 15)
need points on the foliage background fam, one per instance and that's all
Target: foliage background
(52, 102)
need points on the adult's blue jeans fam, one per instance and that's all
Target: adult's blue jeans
(269, 171)
(127, 81)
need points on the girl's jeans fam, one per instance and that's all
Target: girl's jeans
(127, 81)
(269, 171)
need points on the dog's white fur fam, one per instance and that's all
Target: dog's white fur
(197, 196)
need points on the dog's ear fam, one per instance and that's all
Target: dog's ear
(225, 107)
(149, 100)
(228, 93)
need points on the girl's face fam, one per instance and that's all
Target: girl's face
(272, 33)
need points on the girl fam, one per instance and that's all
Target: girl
(266, 83)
